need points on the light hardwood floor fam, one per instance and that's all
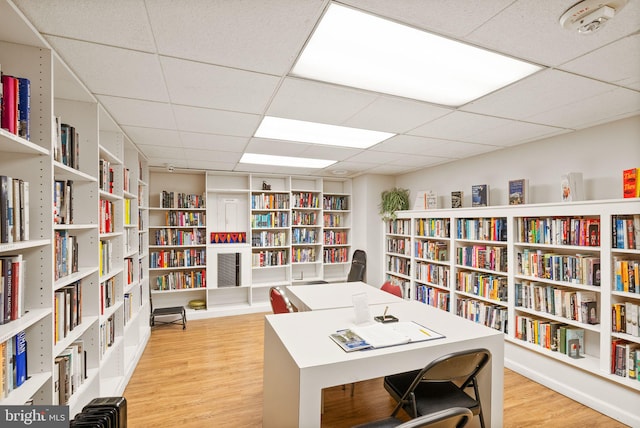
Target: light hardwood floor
(210, 375)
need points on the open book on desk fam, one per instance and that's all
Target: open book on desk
(379, 335)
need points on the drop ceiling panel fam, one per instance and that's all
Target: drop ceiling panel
(212, 155)
(275, 147)
(170, 154)
(203, 85)
(153, 136)
(130, 112)
(258, 36)
(541, 92)
(417, 161)
(329, 152)
(113, 71)
(122, 23)
(193, 140)
(446, 149)
(397, 115)
(439, 16)
(194, 119)
(370, 156)
(513, 133)
(531, 30)
(319, 102)
(207, 165)
(459, 126)
(606, 64)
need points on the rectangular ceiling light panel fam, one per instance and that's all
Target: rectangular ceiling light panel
(290, 161)
(277, 128)
(360, 50)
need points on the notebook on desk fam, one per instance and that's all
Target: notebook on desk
(378, 335)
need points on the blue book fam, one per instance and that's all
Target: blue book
(24, 108)
(21, 358)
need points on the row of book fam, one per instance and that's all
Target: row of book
(333, 220)
(625, 359)
(304, 236)
(625, 318)
(12, 288)
(65, 253)
(271, 219)
(433, 274)
(128, 270)
(331, 237)
(269, 258)
(107, 294)
(270, 201)
(398, 227)
(181, 200)
(399, 265)
(13, 363)
(483, 257)
(180, 237)
(335, 255)
(181, 280)
(188, 257)
(67, 144)
(493, 287)
(484, 229)
(580, 305)
(63, 202)
(433, 227)
(14, 209)
(106, 176)
(577, 269)
(299, 218)
(432, 250)
(433, 296)
(559, 231)
(305, 200)
(106, 216)
(626, 232)
(552, 335)
(15, 105)
(269, 239)
(626, 275)
(67, 310)
(69, 372)
(105, 256)
(493, 316)
(399, 245)
(338, 203)
(107, 335)
(185, 218)
(303, 255)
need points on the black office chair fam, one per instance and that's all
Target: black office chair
(358, 266)
(455, 417)
(441, 384)
(178, 311)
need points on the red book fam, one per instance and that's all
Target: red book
(630, 188)
(10, 103)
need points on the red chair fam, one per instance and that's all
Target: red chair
(280, 303)
(392, 288)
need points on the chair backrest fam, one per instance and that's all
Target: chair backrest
(392, 288)
(358, 266)
(280, 303)
(462, 367)
(455, 417)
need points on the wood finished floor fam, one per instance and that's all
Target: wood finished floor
(210, 375)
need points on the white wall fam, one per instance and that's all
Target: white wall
(601, 153)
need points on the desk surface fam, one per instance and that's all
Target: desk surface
(301, 359)
(313, 297)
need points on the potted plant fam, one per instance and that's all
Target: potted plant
(393, 200)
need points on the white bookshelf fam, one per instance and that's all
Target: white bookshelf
(56, 92)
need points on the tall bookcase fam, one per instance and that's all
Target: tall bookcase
(63, 284)
(262, 230)
(525, 270)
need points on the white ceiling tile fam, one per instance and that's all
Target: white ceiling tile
(203, 85)
(162, 162)
(615, 104)
(445, 149)
(417, 160)
(460, 126)
(259, 36)
(193, 140)
(531, 30)
(605, 64)
(140, 77)
(318, 102)
(149, 114)
(271, 169)
(541, 92)
(196, 119)
(210, 165)
(513, 133)
(156, 152)
(329, 152)
(370, 156)
(388, 169)
(351, 166)
(121, 23)
(212, 155)
(397, 115)
(153, 136)
(275, 147)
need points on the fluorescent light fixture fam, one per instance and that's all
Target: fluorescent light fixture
(318, 133)
(291, 161)
(357, 49)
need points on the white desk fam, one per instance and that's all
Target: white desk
(313, 297)
(300, 360)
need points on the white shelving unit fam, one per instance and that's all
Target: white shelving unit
(56, 92)
(472, 261)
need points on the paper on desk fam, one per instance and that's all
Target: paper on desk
(380, 335)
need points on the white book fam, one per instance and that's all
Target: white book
(572, 187)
